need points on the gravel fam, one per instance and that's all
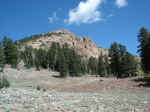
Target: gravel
(60, 95)
(32, 100)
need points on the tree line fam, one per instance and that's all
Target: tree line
(120, 63)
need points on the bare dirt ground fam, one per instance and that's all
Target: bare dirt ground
(81, 94)
(51, 81)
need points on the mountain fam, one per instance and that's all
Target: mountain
(83, 46)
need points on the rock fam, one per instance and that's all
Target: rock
(84, 46)
(27, 100)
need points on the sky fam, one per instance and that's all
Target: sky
(104, 21)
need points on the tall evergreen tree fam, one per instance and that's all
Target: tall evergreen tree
(107, 66)
(122, 63)
(144, 48)
(63, 68)
(41, 58)
(2, 58)
(114, 58)
(10, 51)
(128, 65)
(52, 56)
(92, 65)
(74, 63)
(36, 60)
(28, 56)
(84, 68)
(101, 67)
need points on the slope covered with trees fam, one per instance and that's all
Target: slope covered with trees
(60, 57)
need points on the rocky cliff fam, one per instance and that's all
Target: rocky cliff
(84, 46)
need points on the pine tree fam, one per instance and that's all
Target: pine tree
(27, 56)
(114, 58)
(101, 67)
(11, 52)
(84, 67)
(107, 66)
(116, 53)
(2, 59)
(122, 53)
(122, 63)
(74, 63)
(36, 60)
(92, 65)
(63, 68)
(41, 58)
(128, 65)
(52, 56)
(144, 48)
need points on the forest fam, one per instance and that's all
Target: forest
(119, 63)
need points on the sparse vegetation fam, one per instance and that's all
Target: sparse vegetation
(35, 37)
(44, 90)
(38, 88)
(4, 83)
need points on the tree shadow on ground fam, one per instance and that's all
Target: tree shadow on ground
(142, 82)
(57, 76)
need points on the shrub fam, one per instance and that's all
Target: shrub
(145, 75)
(44, 90)
(4, 83)
(38, 88)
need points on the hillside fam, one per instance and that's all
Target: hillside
(85, 47)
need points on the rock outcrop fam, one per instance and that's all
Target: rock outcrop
(84, 46)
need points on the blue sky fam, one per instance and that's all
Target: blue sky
(105, 21)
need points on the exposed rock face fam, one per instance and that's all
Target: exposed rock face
(84, 46)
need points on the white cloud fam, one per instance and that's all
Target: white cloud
(53, 18)
(85, 12)
(121, 3)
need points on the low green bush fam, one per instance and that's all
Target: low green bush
(38, 88)
(145, 75)
(44, 90)
(4, 83)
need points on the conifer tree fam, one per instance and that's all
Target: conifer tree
(27, 56)
(114, 58)
(11, 52)
(36, 60)
(84, 67)
(52, 56)
(41, 58)
(128, 65)
(63, 66)
(122, 63)
(2, 59)
(107, 66)
(74, 63)
(92, 65)
(144, 48)
(101, 67)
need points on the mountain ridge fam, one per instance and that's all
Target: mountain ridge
(84, 46)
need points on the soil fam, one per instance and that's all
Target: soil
(73, 94)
